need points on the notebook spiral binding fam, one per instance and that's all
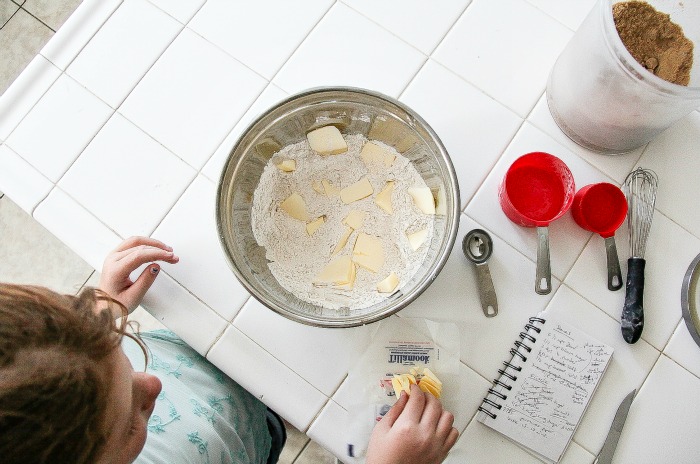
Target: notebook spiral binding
(509, 373)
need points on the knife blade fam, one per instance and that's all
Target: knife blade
(606, 453)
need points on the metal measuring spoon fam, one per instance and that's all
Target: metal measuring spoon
(477, 247)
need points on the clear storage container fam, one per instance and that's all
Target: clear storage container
(607, 102)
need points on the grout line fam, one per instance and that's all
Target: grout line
(33, 16)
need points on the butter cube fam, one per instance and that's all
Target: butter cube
(416, 239)
(355, 219)
(294, 206)
(351, 283)
(327, 141)
(343, 240)
(383, 198)
(329, 188)
(318, 187)
(368, 252)
(423, 199)
(287, 165)
(389, 284)
(357, 191)
(375, 155)
(337, 272)
(313, 226)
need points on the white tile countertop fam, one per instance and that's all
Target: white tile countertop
(122, 124)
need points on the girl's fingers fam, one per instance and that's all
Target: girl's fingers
(395, 411)
(135, 241)
(135, 257)
(444, 425)
(138, 289)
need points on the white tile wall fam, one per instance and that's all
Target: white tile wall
(180, 311)
(116, 174)
(21, 181)
(274, 383)
(192, 97)
(24, 92)
(673, 157)
(182, 10)
(202, 269)
(327, 354)
(123, 50)
(421, 24)
(70, 39)
(667, 400)
(261, 34)
(76, 227)
(506, 48)
(67, 117)
(346, 48)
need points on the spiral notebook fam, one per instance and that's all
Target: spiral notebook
(545, 387)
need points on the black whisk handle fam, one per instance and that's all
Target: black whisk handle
(632, 320)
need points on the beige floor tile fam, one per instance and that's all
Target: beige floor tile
(20, 40)
(296, 441)
(52, 12)
(29, 254)
(315, 454)
(7, 9)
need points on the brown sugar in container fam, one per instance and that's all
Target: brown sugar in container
(604, 99)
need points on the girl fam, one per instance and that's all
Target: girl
(69, 393)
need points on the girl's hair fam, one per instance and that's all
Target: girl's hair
(53, 379)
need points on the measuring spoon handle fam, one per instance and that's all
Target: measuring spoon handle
(543, 282)
(614, 272)
(487, 293)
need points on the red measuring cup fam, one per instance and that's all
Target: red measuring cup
(602, 208)
(537, 189)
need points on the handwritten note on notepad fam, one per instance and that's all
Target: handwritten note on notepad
(542, 392)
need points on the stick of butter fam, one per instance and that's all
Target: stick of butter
(389, 284)
(355, 218)
(383, 198)
(373, 155)
(313, 226)
(327, 141)
(287, 165)
(416, 239)
(423, 199)
(368, 252)
(329, 188)
(357, 191)
(338, 272)
(294, 206)
(343, 240)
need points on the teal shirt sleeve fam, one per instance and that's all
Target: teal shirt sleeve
(201, 415)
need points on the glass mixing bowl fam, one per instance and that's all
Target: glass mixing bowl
(353, 111)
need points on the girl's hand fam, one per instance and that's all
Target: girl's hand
(416, 429)
(127, 257)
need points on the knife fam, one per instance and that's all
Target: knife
(606, 454)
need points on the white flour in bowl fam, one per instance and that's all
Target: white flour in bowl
(295, 258)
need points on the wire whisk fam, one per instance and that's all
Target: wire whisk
(640, 189)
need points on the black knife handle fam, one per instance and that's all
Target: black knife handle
(632, 320)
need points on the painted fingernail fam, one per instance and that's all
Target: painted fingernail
(154, 270)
